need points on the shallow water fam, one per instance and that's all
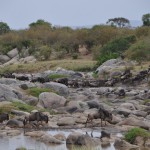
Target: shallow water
(11, 143)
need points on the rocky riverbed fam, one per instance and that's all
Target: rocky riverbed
(68, 108)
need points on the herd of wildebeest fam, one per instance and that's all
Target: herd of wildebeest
(103, 114)
(77, 80)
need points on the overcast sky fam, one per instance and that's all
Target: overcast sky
(18, 14)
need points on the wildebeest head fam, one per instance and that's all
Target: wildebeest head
(45, 118)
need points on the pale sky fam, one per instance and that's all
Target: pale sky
(18, 14)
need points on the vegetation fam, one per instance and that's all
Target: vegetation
(22, 106)
(115, 48)
(146, 19)
(37, 91)
(56, 76)
(4, 28)
(139, 51)
(47, 42)
(131, 135)
(119, 22)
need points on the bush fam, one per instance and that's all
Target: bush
(133, 133)
(37, 91)
(114, 48)
(140, 51)
(22, 106)
(44, 53)
(75, 56)
(56, 76)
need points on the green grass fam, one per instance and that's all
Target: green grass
(56, 76)
(22, 106)
(133, 133)
(146, 101)
(21, 148)
(37, 91)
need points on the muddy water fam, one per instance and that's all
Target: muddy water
(11, 143)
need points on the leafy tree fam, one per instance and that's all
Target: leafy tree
(146, 19)
(4, 28)
(115, 48)
(40, 22)
(119, 22)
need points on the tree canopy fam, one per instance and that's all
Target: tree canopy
(40, 22)
(146, 19)
(119, 22)
(4, 28)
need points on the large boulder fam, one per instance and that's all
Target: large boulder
(135, 122)
(7, 93)
(29, 59)
(81, 139)
(4, 58)
(51, 100)
(13, 53)
(66, 121)
(14, 123)
(8, 81)
(113, 64)
(129, 106)
(123, 145)
(60, 88)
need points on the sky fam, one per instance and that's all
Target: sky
(18, 14)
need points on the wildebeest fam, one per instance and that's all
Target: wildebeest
(102, 114)
(4, 117)
(105, 115)
(37, 116)
(104, 134)
(62, 81)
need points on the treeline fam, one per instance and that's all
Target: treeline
(103, 41)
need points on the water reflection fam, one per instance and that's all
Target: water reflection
(11, 143)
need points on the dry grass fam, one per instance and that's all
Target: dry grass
(77, 65)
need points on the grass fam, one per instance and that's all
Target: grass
(133, 133)
(21, 148)
(146, 101)
(56, 76)
(40, 66)
(22, 106)
(34, 91)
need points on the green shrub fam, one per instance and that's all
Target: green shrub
(133, 133)
(139, 51)
(114, 48)
(22, 106)
(44, 53)
(75, 56)
(37, 91)
(56, 76)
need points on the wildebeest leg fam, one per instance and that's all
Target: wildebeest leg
(101, 122)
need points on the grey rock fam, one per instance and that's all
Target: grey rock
(51, 100)
(60, 88)
(7, 93)
(4, 58)
(13, 53)
(65, 121)
(14, 123)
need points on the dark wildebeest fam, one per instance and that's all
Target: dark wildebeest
(37, 116)
(105, 115)
(104, 134)
(102, 114)
(4, 117)
(62, 81)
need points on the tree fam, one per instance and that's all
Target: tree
(119, 22)
(146, 19)
(40, 22)
(4, 28)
